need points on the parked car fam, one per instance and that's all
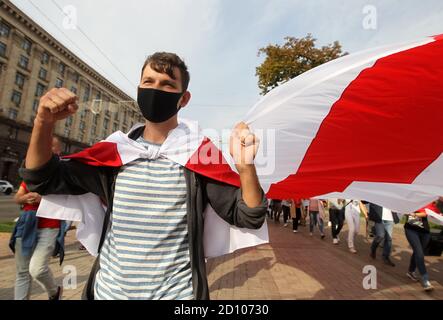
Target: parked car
(6, 187)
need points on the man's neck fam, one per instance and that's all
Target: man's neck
(158, 132)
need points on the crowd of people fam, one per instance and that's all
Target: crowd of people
(380, 223)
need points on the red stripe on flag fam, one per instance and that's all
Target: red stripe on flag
(100, 154)
(208, 161)
(386, 127)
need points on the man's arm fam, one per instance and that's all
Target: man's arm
(228, 202)
(55, 105)
(44, 173)
(243, 148)
(23, 197)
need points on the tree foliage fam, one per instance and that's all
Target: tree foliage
(296, 56)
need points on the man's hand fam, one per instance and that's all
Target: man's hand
(243, 146)
(33, 197)
(56, 104)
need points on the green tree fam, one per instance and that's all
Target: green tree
(296, 56)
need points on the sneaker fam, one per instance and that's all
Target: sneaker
(427, 286)
(412, 276)
(352, 250)
(372, 254)
(388, 262)
(295, 231)
(285, 225)
(322, 236)
(58, 295)
(335, 241)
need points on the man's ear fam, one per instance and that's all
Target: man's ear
(185, 99)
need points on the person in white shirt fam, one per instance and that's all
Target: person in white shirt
(384, 223)
(352, 215)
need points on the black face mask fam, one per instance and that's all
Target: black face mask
(157, 105)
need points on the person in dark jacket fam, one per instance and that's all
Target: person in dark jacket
(152, 240)
(417, 232)
(384, 223)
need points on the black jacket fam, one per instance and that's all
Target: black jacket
(75, 178)
(376, 213)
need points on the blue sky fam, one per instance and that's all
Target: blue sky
(219, 39)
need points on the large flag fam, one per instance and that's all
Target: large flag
(365, 126)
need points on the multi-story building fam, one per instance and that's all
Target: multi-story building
(31, 62)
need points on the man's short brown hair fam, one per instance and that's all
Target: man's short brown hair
(164, 62)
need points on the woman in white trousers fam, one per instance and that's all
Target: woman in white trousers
(352, 215)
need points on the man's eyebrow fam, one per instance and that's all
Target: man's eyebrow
(171, 83)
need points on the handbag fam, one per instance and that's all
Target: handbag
(415, 222)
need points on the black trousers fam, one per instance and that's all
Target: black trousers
(296, 220)
(286, 213)
(337, 218)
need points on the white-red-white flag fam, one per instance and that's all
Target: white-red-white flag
(365, 126)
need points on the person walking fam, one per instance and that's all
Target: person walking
(286, 208)
(337, 218)
(296, 219)
(384, 219)
(316, 217)
(417, 233)
(353, 208)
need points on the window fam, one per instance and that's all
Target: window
(5, 30)
(45, 58)
(81, 136)
(74, 89)
(2, 49)
(116, 115)
(19, 80)
(82, 125)
(76, 77)
(98, 96)
(93, 130)
(61, 68)
(95, 119)
(40, 89)
(12, 114)
(115, 127)
(86, 94)
(42, 73)
(68, 121)
(16, 97)
(106, 124)
(35, 105)
(58, 83)
(26, 45)
(23, 62)
(66, 133)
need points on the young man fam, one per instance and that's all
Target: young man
(384, 223)
(153, 249)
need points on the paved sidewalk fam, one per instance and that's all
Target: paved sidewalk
(292, 266)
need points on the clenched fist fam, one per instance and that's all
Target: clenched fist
(56, 104)
(243, 146)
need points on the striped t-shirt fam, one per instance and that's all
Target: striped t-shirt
(146, 252)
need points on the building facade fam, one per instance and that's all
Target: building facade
(32, 62)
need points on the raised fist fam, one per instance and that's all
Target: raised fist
(57, 104)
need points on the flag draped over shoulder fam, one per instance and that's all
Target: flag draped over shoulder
(364, 126)
(185, 145)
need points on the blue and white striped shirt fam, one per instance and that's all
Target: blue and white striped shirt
(146, 252)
